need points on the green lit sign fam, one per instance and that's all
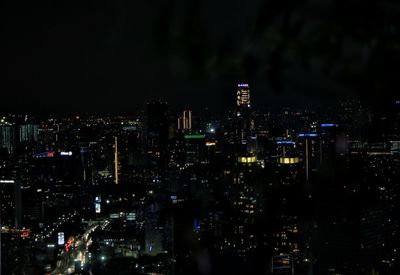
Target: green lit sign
(194, 136)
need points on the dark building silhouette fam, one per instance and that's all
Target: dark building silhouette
(157, 131)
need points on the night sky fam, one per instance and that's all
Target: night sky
(114, 56)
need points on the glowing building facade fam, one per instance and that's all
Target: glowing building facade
(185, 121)
(243, 96)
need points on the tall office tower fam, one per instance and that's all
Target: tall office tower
(244, 196)
(7, 137)
(333, 142)
(185, 121)
(354, 115)
(243, 96)
(153, 230)
(310, 149)
(251, 145)
(288, 162)
(10, 203)
(87, 163)
(242, 120)
(157, 130)
(195, 149)
(116, 161)
(130, 150)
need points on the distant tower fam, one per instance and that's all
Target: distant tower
(157, 130)
(7, 136)
(185, 121)
(28, 132)
(243, 124)
(243, 96)
(309, 143)
(116, 163)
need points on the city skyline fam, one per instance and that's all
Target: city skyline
(200, 137)
(157, 191)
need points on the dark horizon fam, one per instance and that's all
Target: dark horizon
(108, 57)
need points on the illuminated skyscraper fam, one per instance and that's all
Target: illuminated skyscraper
(243, 96)
(245, 199)
(28, 132)
(309, 142)
(185, 121)
(116, 162)
(7, 137)
(243, 123)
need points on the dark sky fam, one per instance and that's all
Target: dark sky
(114, 56)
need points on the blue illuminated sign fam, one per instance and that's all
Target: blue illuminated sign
(308, 135)
(285, 142)
(328, 125)
(48, 154)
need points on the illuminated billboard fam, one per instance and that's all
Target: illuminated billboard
(7, 181)
(48, 154)
(60, 238)
(97, 207)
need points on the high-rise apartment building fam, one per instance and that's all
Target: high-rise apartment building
(7, 137)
